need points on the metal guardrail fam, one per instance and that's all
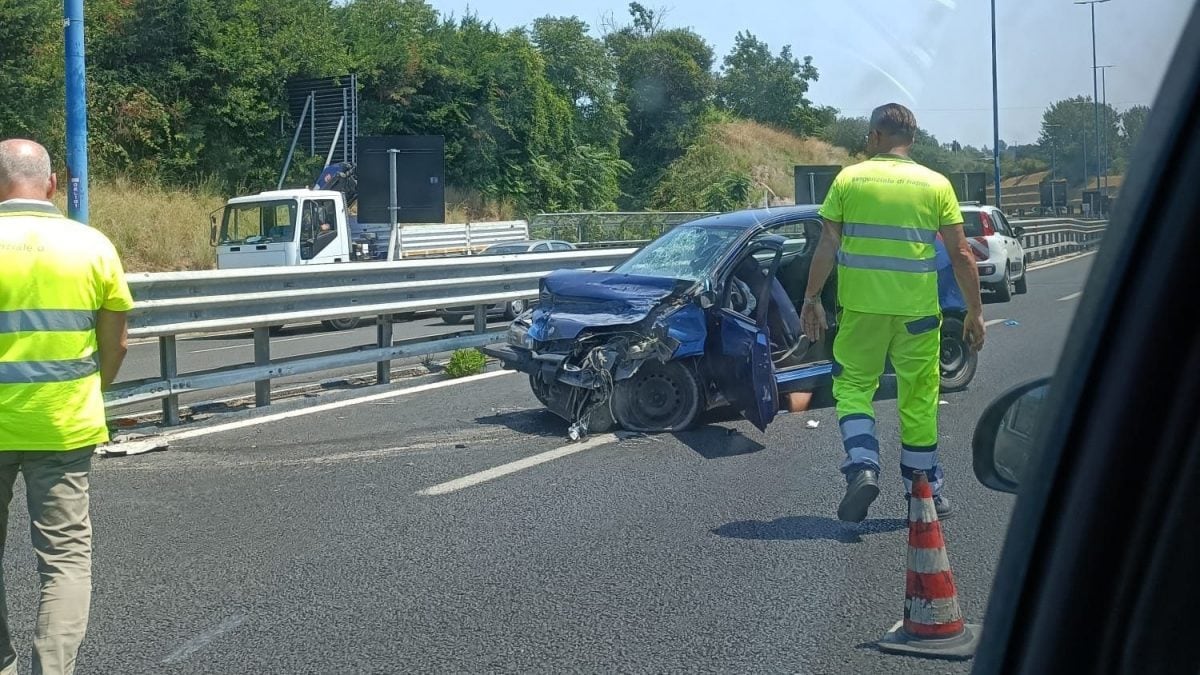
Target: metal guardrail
(1052, 237)
(179, 303)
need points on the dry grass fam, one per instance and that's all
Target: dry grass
(154, 229)
(771, 155)
(766, 154)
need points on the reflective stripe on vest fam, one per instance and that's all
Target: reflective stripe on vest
(887, 263)
(42, 372)
(914, 235)
(29, 320)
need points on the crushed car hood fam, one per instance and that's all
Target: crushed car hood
(573, 300)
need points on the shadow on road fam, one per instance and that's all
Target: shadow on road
(808, 528)
(714, 442)
(528, 421)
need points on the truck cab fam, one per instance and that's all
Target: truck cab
(283, 228)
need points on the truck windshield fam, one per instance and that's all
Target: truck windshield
(259, 222)
(686, 252)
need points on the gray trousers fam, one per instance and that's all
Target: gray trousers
(56, 490)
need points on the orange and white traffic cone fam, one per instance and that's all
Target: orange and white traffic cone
(933, 623)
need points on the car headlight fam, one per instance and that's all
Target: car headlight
(518, 335)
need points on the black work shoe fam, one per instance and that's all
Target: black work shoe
(940, 504)
(861, 489)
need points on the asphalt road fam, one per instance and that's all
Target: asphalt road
(312, 544)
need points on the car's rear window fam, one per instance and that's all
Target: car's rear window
(972, 225)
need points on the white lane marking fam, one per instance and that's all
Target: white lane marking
(1054, 263)
(1070, 297)
(512, 467)
(333, 405)
(202, 640)
(251, 344)
(993, 322)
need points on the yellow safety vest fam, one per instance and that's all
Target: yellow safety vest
(55, 274)
(891, 209)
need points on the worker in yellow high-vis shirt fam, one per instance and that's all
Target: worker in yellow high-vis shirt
(881, 219)
(63, 300)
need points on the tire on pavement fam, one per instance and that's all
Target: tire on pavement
(342, 324)
(659, 397)
(1022, 285)
(1003, 289)
(452, 319)
(957, 362)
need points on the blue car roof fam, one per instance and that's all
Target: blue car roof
(748, 218)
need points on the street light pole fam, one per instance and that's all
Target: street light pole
(1104, 103)
(995, 110)
(1095, 86)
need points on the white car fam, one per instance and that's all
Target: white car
(998, 250)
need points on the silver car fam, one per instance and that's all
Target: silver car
(509, 310)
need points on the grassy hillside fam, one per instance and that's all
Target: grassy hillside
(761, 154)
(154, 230)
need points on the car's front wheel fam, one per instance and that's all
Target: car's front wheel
(659, 397)
(957, 361)
(514, 309)
(452, 319)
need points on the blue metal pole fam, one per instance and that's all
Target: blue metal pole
(77, 158)
(995, 109)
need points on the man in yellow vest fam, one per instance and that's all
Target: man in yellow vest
(881, 219)
(63, 300)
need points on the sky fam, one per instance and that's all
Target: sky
(931, 55)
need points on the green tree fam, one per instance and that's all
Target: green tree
(849, 133)
(1068, 127)
(768, 88)
(1133, 123)
(665, 83)
(31, 79)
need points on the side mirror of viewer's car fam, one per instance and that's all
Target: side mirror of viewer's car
(1004, 437)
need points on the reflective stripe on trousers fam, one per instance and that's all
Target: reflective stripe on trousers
(863, 343)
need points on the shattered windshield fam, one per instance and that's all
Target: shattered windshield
(259, 222)
(687, 252)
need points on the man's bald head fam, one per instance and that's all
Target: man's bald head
(25, 171)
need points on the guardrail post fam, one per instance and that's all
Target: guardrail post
(480, 318)
(168, 367)
(383, 331)
(262, 357)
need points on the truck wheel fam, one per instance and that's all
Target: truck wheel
(513, 309)
(957, 361)
(341, 324)
(1023, 283)
(659, 397)
(452, 319)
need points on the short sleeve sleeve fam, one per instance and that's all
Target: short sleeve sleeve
(833, 208)
(949, 212)
(115, 295)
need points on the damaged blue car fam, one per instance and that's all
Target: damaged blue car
(702, 317)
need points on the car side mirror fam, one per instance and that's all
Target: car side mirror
(212, 230)
(306, 249)
(707, 299)
(1003, 445)
(1019, 231)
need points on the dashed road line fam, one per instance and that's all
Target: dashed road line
(203, 639)
(1070, 297)
(332, 405)
(512, 467)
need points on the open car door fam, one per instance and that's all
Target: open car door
(744, 370)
